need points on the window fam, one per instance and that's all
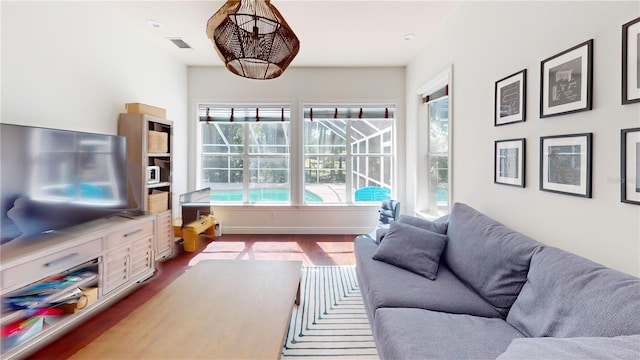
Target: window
(244, 153)
(438, 156)
(434, 133)
(348, 153)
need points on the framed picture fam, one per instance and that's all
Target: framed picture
(630, 166)
(565, 164)
(510, 99)
(509, 162)
(566, 81)
(631, 62)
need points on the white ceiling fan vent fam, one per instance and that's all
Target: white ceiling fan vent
(180, 43)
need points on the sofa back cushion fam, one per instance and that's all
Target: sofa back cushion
(569, 296)
(488, 256)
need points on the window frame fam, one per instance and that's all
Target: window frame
(246, 154)
(350, 156)
(296, 154)
(438, 82)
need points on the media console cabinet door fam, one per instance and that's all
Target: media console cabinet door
(219, 309)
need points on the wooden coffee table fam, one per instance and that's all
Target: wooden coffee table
(219, 309)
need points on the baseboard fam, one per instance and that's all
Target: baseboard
(296, 230)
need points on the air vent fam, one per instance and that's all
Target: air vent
(179, 43)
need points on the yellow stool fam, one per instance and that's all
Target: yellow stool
(190, 232)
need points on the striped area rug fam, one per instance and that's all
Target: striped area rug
(330, 322)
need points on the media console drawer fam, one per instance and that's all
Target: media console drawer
(48, 265)
(125, 236)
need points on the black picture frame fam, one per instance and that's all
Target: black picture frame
(566, 81)
(630, 166)
(510, 99)
(509, 162)
(565, 164)
(631, 62)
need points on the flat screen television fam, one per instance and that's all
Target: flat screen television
(52, 179)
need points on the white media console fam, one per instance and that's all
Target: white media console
(120, 250)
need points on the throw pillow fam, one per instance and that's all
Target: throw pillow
(438, 225)
(412, 248)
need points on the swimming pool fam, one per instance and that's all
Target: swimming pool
(261, 195)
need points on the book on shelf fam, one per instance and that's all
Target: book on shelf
(51, 291)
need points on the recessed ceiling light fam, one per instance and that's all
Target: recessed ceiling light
(153, 24)
(408, 37)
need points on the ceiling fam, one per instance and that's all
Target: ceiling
(331, 32)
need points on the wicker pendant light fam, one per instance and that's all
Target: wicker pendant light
(252, 38)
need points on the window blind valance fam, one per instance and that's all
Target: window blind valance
(437, 94)
(366, 112)
(217, 113)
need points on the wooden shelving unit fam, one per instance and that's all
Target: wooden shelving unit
(149, 144)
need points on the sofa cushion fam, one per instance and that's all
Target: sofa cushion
(569, 296)
(490, 257)
(423, 334)
(621, 347)
(385, 285)
(412, 248)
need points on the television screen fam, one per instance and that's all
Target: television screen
(52, 179)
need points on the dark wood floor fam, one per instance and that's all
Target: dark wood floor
(310, 249)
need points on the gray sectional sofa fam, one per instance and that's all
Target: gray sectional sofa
(467, 287)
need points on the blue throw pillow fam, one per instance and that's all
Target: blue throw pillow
(412, 248)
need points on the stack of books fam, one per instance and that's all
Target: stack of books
(25, 310)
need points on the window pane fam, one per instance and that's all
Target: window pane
(222, 138)
(269, 138)
(439, 126)
(221, 171)
(359, 140)
(387, 170)
(269, 179)
(325, 178)
(325, 137)
(438, 157)
(375, 145)
(268, 176)
(372, 180)
(439, 182)
(375, 171)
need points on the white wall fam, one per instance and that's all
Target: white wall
(56, 76)
(487, 41)
(296, 86)
(68, 65)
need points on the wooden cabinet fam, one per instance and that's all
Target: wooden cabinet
(119, 250)
(164, 239)
(129, 255)
(149, 172)
(116, 269)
